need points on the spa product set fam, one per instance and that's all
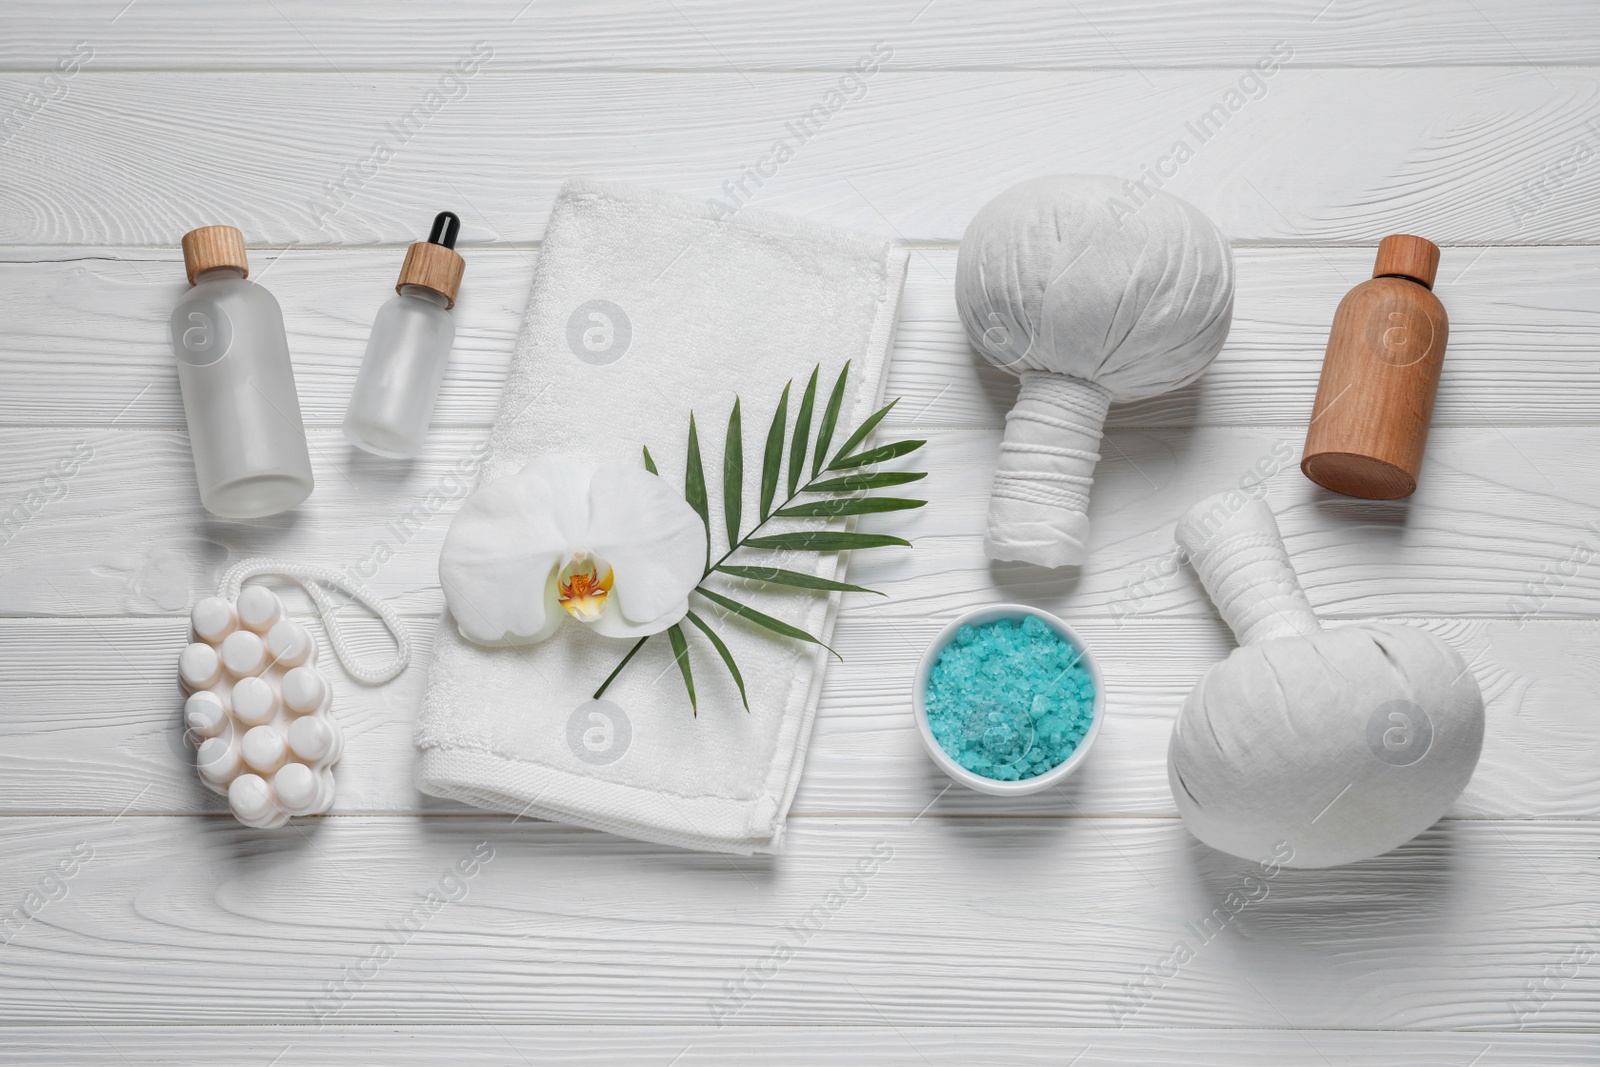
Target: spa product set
(1344, 743)
(258, 709)
(239, 397)
(600, 553)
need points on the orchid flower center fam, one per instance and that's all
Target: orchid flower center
(583, 585)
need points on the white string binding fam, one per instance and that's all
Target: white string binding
(1062, 478)
(311, 578)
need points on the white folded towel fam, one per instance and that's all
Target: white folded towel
(644, 308)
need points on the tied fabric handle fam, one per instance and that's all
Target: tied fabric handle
(312, 578)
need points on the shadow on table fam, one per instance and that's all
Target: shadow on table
(1397, 898)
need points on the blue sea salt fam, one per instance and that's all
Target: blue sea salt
(1009, 699)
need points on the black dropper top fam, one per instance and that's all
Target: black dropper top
(445, 228)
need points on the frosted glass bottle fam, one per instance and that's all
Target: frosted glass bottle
(239, 398)
(410, 344)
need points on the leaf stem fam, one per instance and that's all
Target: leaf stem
(637, 645)
(598, 693)
(748, 534)
(821, 472)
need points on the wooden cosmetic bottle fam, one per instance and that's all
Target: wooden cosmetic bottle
(1379, 377)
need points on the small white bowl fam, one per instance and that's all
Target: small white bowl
(993, 786)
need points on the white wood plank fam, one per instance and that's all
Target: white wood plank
(1499, 518)
(1325, 156)
(84, 335)
(513, 1045)
(950, 921)
(92, 719)
(805, 34)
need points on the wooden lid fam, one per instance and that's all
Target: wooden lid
(1404, 256)
(433, 267)
(213, 246)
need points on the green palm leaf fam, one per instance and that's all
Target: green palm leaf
(694, 485)
(862, 431)
(772, 461)
(849, 505)
(727, 657)
(794, 579)
(875, 455)
(680, 652)
(851, 483)
(733, 475)
(825, 541)
(802, 432)
(777, 626)
(830, 419)
(845, 495)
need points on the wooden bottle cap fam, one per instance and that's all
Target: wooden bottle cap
(433, 267)
(1400, 255)
(213, 246)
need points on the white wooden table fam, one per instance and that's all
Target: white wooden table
(995, 932)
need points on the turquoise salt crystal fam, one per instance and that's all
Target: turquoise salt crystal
(1009, 699)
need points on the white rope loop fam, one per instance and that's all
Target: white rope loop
(312, 578)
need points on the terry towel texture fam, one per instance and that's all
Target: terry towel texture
(643, 309)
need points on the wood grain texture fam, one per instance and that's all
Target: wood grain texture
(209, 247)
(948, 922)
(513, 1045)
(434, 267)
(1477, 155)
(1503, 525)
(85, 339)
(800, 34)
(63, 753)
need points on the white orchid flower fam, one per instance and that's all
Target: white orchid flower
(610, 545)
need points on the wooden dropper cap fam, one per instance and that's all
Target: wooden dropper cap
(434, 263)
(213, 246)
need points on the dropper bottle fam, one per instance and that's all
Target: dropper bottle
(410, 344)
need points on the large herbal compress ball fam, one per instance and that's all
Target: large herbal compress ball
(1344, 743)
(1089, 302)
